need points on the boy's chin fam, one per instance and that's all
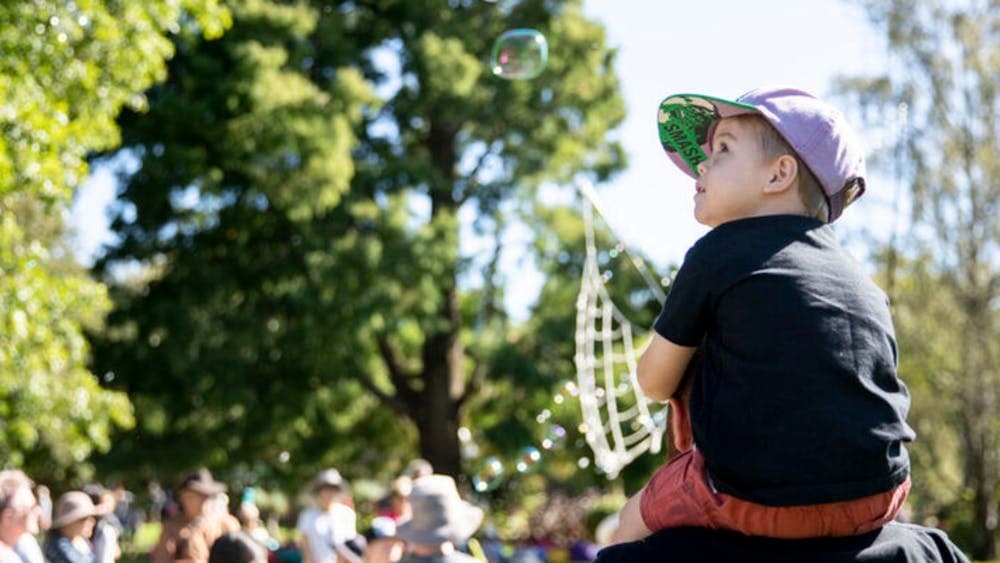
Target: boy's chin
(704, 220)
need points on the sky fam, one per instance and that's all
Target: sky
(716, 47)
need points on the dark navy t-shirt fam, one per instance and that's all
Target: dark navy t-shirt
(797, 400)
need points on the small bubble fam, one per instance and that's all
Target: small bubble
(488, 476)
(555, 437)
(543, 416)
(583, 462)
(558, 399)
(607, 275)
(464, 434)
(528, 460)
(284, 456)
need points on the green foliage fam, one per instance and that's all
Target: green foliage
(67, 69)
(295, 222)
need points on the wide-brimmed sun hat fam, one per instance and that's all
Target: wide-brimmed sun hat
(201, 481)
(817, 131)
(73, 506)
(439, 514)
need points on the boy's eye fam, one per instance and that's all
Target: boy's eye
(722, 147)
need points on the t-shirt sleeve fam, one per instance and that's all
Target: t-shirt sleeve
(683, 319)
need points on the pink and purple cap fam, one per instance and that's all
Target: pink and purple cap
(818, 133)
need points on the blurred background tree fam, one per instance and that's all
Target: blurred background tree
(942, 270)
(67, 69)
(294, 231)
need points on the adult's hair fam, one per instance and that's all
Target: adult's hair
(11, 481)
(772, 145)
(236, 547)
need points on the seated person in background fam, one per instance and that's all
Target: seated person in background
(328, 530)
(68, 540)
(189, 535)
(441, 522)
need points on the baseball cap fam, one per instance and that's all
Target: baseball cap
(818, 132)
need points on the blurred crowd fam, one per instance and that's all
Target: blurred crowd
(422, 517)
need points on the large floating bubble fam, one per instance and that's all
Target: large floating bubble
(519, 54)
(488, 476)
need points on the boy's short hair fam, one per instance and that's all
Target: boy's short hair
(772, 145)
(818, 134)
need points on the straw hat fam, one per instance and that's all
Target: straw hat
(201, 481)
(439, 514)
(73, 506)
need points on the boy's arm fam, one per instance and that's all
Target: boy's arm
(661, 367)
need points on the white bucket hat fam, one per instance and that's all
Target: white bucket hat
(439, 514)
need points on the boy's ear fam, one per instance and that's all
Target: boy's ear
(783, 172)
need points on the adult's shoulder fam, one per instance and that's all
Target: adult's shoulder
(894, 543)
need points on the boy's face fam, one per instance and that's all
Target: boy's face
(730, 182)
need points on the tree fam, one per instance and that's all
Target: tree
(63, 78)
(946, 69)
(302, 235)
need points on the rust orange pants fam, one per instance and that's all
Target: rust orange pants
(679, 495)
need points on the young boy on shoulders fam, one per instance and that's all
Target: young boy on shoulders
(797, 416)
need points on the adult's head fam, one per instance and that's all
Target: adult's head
(18, 508)
(399, 497)
(418, 468)
(440, 516)
(196, 490)
(75, 515)
(236, 547)
(328, 487)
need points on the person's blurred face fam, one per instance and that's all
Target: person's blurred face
(326, 495)
(82, 528)
(21, 514)
(192, 503)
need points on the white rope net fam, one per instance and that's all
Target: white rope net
(620, 423)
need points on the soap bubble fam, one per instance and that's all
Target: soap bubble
(583, 462)
(519, 54)
(488, 476)
(555, 436)
(529, 459)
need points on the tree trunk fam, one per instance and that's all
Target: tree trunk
(444, 380)
(984, 521)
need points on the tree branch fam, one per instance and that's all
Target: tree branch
(397, 374)
(391, 401)
(475, 384)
